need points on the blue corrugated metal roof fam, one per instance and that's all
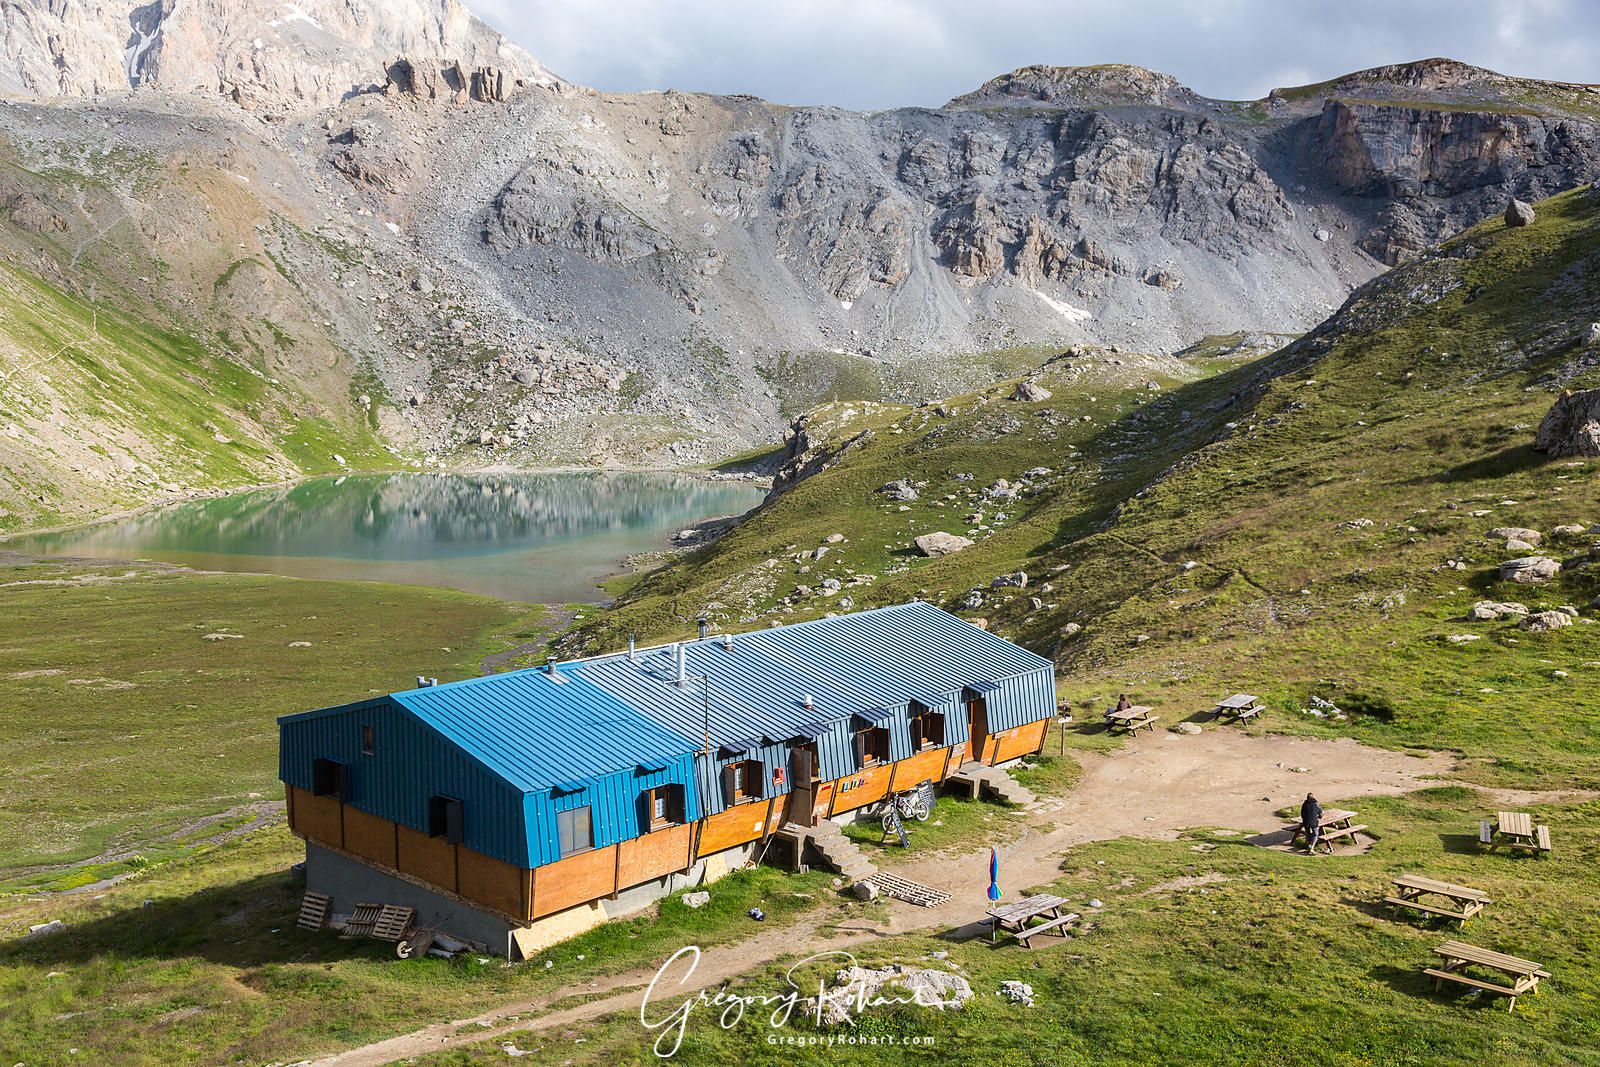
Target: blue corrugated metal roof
(848, 665)
(538, 733)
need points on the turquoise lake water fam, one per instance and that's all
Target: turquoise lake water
(535, 537)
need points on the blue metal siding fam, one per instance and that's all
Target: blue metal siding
(410, 763)
(613, 801)
(1023, 699)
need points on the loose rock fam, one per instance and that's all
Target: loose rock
(941, 543)
(1529, 570)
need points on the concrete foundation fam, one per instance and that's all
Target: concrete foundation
(349, 881)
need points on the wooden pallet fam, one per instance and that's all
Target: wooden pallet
(313, 911)
(892, 885)
(363, 919)
(393, 922)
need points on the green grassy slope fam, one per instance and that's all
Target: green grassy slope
(134, 366)
(1319, 494)
(124, 723)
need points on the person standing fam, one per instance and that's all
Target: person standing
(1311, 821)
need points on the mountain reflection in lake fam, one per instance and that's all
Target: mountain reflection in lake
(536, 537)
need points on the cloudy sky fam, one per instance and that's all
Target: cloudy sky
(869, 54)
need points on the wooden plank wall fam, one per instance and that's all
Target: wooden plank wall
(858, 790)
(1020, 740)
(369, 836)
(575, 880)
(735, 826)
(490, 881)
(433, 859)
(317, 817)
(925, 765)
(654, 855)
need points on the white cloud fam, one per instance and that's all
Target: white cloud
(889, 53)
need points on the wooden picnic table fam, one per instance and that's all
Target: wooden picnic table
(1514, 829)
(1241, 705)
(1018, 916)
(1457, 955)
(1410, 888)
(1131, 719)
(1335, 824)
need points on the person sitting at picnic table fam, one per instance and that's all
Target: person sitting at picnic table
(1123, 704)
(1311, 819)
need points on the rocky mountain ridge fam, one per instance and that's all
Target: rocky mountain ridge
(432, 238)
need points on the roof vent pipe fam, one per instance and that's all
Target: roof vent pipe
(683, 664)
(704, 626)
(727, 640)
(806, 703)
(550, 665)
(633, 656)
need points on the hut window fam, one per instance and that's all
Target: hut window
(368, 739)
(742, 781)
(662, 806)
(576, 831)
(328, 778)
(927, 729)
(445, 819)
(872, 745)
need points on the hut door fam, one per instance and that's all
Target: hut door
(977, 729)
(802, 792)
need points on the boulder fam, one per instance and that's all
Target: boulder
(1519, 213)
(1545, 621)
(864, 891)
(900, 489)
(1572, 426)
(941, 543)
(1073, 629)
(1016, 580)
(1517, 545)
(1569, 531)
(1186, 728)
(1591, 334)
(1529, 570)
(1485, 610)
(1030, 392)
(1532, 538)
(697, 899)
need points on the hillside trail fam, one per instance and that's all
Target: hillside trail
(1154, 787)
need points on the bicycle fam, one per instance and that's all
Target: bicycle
(906, 805)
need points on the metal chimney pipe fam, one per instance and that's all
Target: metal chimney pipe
(550, 665)
(633, 656)
(683, 664)
(704, 626)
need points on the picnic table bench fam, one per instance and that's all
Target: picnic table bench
(1334, 825)
(1514, 829)
(1131, 719)
(1457, 955)
(1017, 918)
(1241, 706)
(1464, 902)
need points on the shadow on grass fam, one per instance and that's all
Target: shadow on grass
(245, 924)
(1461, 844)
(1495, 465)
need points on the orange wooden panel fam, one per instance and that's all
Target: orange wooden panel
(653, 855)
(735, 826)
(777, 812)
(369, 836)
(868, 787)
(925, 765)
(317, 818)
(489, 881)
(1021, 741)
(433, 859)
(575, 880)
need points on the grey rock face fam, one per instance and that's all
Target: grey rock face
(942, 544)
(1529, 570)
(1545, 621)
(1572, 426)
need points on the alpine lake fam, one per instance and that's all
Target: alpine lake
(540, 538)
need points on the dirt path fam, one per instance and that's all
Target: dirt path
(1155, 787)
